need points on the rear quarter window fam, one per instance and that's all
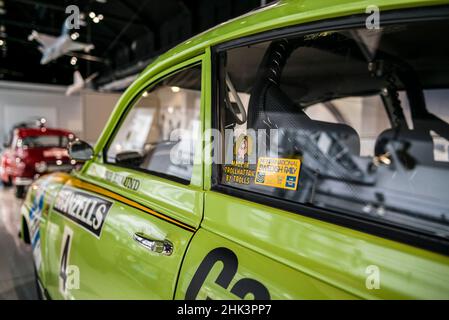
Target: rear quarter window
(337, 121)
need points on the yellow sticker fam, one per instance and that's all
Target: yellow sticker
(278, 173)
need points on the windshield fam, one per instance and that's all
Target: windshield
(43, 141)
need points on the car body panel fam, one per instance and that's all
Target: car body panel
(35, 213)
(342, 257)
(175, 200)
(217, 268)
(113, 265)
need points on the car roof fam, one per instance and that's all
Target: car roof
(29, 132)
(282, 13)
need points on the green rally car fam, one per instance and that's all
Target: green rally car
(297, 152)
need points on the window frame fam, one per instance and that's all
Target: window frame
(367, 225)
(149, 86)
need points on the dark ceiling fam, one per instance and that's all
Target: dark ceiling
(131, 31)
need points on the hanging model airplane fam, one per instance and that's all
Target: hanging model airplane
(79, 83)
(54, 47)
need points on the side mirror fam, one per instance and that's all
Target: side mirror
(129, 158)
(80, 151)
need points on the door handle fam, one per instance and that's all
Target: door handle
(162, 247)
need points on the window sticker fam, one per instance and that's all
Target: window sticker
(240, 171)
(86, 210)
(278, 172)
(243, 148)
(122, 180)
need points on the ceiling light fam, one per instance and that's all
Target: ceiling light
(100, 16)
(175, 89)
(96, 20)
(145, 94)
(92, 14)
(75, 36)
(2, 7)
(2, 42)
(73, 61)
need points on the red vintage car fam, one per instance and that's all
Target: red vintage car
(32, 152)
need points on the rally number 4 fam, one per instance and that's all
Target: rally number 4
(64, 262)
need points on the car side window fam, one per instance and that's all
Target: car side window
(161, 129)
(338, 121)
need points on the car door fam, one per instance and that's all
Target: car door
(120, 228)
(314, 216)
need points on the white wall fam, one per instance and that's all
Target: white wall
(97, 108)
(85, 114)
